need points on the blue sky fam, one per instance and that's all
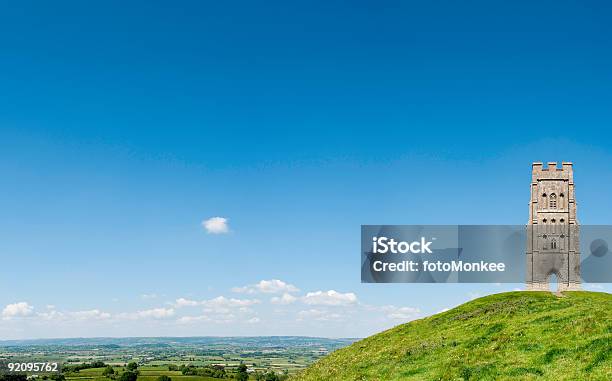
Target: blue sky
(124, 126)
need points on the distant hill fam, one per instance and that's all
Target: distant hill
(509, 336)
(238, 341)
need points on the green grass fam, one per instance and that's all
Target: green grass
(509, 336)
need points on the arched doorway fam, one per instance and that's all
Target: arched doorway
(553, 283)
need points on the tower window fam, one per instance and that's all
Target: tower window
(544, 220)
(552, 201)
(562, 220)
(553, 220)
(553, 244)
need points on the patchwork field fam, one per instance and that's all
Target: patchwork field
(181, 359)
(146, 373)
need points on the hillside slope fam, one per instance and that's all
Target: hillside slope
(509, 336)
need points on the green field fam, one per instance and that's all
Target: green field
(146, 373)
(509, 336)
(278, 354)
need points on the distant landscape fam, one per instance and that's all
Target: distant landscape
(179, 358)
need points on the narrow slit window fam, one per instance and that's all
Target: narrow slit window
(552, 201)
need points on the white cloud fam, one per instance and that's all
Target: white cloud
(182, 302)
(329, 298)
(319, 312)
(391, 312)
(224, 318)
(285, 299)
(154, 313)
(401, 313)
(273, 286)
(193, 319)
(216, 225)
(17, 309)
(51, 315)
(217, 310)
(220, 303)
(148, 296)
(319, 315)
(94, 314)
(220, 310)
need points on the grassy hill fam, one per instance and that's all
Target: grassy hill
(509, 336)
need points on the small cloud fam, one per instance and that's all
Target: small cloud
(222, 310)
(148, 296)
(90, 315)
(273, 286)
(51, 314)
(155, 313)
(319, 315)
(400, 313)
(216, 225)
(182, 302)
(223, 302)
(285, 299)
(192, 319)
(17, 309)
(216, 304)
(215, 319)
(330, 298)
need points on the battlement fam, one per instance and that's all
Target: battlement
(552, 166)
(552, 171)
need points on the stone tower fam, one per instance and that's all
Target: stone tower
(552, 230)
